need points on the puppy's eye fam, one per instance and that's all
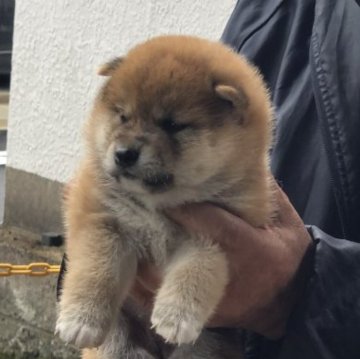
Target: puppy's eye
(123, 118)
(170, 126)
(119, 111)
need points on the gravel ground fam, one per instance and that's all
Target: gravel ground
(28, 304)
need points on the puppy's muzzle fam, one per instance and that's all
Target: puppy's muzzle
(159, 182)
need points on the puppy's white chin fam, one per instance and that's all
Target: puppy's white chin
(171, 198)
(132, 185)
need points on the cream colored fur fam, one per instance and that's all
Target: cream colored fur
(113, 221)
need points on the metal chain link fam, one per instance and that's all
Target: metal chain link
(32, 269)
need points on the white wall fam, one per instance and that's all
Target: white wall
(57, 46)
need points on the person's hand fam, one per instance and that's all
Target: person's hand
(265, 280)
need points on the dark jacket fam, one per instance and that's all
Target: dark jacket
(309, 54)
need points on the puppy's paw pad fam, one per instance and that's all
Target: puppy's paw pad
(177, 328)
(79, 333)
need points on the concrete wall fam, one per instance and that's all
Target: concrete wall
(57, 47)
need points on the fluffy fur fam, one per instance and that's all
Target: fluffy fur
(194, 122)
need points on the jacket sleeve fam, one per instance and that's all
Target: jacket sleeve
(326, 322)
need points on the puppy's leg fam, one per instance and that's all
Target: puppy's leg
(100, 272)
(193, 286)
(119, 342)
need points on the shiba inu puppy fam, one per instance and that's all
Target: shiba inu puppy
(179, 119)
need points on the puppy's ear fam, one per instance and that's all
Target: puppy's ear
(108, 68)
(233, 95)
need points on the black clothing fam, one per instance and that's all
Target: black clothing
(309, 54)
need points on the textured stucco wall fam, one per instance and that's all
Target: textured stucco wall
(57, 47)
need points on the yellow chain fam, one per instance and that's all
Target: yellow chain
(32, 269)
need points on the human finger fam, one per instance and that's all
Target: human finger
(212, 222)
(285, 212)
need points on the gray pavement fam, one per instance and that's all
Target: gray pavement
(28, 306)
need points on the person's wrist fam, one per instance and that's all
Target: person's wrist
(271, 321)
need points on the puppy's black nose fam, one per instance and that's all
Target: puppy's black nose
(126, 157)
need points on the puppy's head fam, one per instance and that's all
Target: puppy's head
(179, 115)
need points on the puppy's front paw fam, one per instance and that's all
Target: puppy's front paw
(72, 328)
(176, 325)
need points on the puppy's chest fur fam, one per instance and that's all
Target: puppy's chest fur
(145, 230)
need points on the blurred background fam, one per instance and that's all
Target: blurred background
(7, 9)
(49, 52)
